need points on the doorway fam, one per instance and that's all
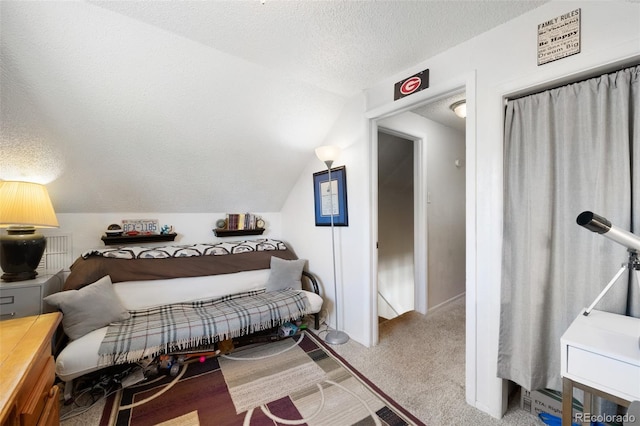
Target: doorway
(396, 276)
(464, 85)
(421, 208)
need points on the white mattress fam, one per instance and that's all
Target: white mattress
(145, 294)
(81, 356)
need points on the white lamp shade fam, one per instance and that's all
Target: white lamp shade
(26, 204)
(328, 153)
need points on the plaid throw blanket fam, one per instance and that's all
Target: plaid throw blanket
(179, 326)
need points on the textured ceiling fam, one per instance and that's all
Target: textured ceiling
(339, 46)
(441, 112)
(199, 106)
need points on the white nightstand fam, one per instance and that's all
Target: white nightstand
(24, 298)
(600, 355)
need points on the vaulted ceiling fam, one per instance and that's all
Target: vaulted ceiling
(199, 106)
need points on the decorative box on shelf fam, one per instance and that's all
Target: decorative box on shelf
(110, 240)
(219, 232)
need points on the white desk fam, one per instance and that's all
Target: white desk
(600, 354)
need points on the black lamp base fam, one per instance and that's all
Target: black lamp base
(18, 276)
(20, 253)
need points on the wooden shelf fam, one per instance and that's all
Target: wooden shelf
(136, 239)
(236, 232)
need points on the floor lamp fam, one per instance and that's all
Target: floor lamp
(328, 154)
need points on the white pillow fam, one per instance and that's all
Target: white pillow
(90, 308)
(285, 274)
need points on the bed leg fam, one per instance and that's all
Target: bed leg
(68, 390)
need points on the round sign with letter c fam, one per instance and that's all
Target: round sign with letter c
(410, 85)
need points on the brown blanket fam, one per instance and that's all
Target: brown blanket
(87, 271)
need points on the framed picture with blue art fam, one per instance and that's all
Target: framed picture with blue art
(331, 197)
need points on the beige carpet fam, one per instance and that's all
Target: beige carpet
(424, 368)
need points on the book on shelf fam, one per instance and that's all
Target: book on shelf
(240, 221)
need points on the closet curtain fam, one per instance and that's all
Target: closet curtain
(567, 150)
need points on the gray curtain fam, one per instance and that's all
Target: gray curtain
(567, 150)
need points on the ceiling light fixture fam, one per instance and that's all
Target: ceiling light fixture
(460, 108)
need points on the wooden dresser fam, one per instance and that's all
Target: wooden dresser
(27, 371)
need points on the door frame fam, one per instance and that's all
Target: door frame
(420, 247)
(467, 83)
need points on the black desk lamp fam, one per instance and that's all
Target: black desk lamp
(24, 206)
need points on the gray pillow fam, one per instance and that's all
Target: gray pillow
(90, 308)
(285, 274)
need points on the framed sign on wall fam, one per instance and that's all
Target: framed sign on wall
(322, 194)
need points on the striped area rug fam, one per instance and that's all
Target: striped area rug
(266, 373)
(306, 381)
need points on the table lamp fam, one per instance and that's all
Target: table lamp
(24, 206)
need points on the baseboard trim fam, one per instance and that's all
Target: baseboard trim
(446, 302)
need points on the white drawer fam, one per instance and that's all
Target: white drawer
(601, 372)
(19, 302)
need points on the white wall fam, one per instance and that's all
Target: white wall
(503, 62)
(445, 215)
(87, 228)
(130, 116)
(314, 243)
